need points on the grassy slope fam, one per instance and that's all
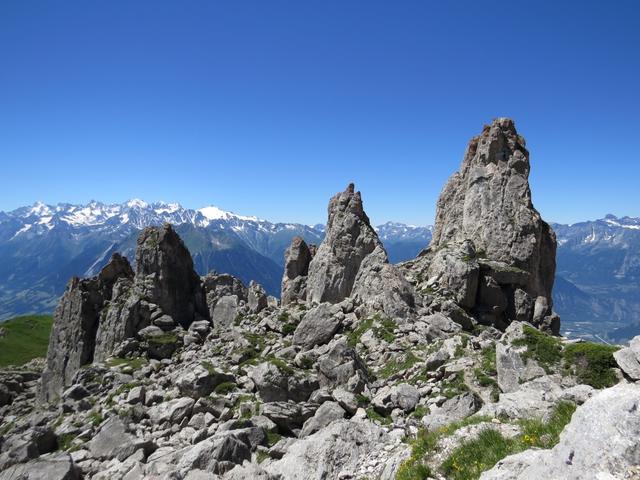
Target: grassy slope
(24, 338)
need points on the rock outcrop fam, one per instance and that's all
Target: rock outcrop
(162, 374)
(599, 442)
(297, 258)
(95, 315)
(510, 251)
(76, 322)
(351, 261)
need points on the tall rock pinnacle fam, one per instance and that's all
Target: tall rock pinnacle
(351, 261)
(96, 314)
(489, 203)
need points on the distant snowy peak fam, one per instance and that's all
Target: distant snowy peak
(214, 213)
(400, 231)
(621, 231)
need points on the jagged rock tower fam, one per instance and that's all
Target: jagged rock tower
(485, 219)
(96, 314)
(349, 263)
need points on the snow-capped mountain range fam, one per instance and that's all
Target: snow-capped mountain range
(41, 246)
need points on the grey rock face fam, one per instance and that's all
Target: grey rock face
(225, 311)
(95, 315)
(453, 410)
(318, 326)
(165, 269)
(114, 441)
(327, 413)
(257, 298)
(76, 321)
(489, 202)
(296, 267)
(352, 261)
(330, 452)
(49, 467)
(601, 441)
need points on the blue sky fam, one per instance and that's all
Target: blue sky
(269, 107)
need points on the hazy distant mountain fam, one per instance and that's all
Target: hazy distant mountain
(597, 289)
(598, 286)
(42, 246)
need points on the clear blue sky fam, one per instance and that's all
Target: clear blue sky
(269, 107)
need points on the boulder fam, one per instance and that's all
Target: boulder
(173, 411)
(452, 410)
(336, 451)
(225, 312)
(57, 466)
(455, 269)
(114, 441)
(318, 326)
(610, 419)
(200, 381)
(326, 413)
(628, 359)
(339, 365)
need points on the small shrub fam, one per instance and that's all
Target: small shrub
(289, 328)
(306, 362)
(543, 348)
(592, 363)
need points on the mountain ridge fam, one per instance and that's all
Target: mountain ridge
(43, 245)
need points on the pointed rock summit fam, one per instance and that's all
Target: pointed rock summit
(96, 315)
(350, 262)
(508, 265)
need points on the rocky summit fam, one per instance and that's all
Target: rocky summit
(447, 366)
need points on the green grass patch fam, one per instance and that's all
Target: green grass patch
(592, 363)
(394, 366)
(384, 329)
(164, 339)
(281, 365)
(273, 438)
(425, 444)
(454, 386)
(261, 456)
(96, 418)
(543, 348)
(24, 339)
(353, 337)
(469, 460)
(134, 363)
(474, 457)
(225, 387)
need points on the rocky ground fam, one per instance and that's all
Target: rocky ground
(443, 367)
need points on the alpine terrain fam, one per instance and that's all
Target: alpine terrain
(448, 365)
